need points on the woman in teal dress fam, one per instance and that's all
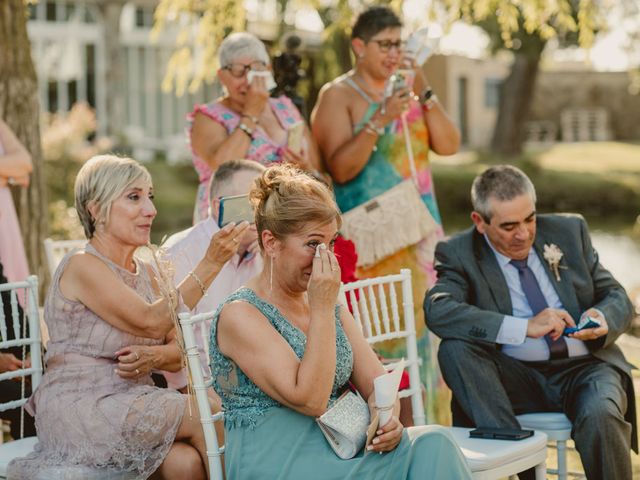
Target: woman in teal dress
(282, 350)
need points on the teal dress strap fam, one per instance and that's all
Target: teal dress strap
(242, 399)
(378, 174)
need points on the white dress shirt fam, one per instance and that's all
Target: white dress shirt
(513, 331)
(185, 250)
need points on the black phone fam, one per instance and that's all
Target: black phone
(501, 433)
(236, 208)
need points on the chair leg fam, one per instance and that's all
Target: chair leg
(562, 459)
(541, 471)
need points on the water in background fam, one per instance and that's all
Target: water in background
(620, 255)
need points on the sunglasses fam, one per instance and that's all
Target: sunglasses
(386, 45)
(239, 70)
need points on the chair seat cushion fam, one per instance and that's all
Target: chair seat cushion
(483, 454)
(545, 421)
(15, 449)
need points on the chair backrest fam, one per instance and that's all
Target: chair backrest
(384, 315)
(21, 329)
(57, 249)
(200, 387)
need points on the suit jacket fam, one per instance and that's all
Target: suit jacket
(471, 297)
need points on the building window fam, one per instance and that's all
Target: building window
(144, 17)
(492, 90)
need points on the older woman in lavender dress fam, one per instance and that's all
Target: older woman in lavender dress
(90, 417)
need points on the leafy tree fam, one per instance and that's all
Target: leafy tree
(524, 27)
(199, 27)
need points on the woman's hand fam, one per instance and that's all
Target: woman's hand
(324, 282)
(224, 243)
(299, 159)
(256, 97)
(135, 361)
(387, 437)
(393, 106)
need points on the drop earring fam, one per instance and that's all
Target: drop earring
(271, 275)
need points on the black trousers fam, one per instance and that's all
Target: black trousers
(491, 388)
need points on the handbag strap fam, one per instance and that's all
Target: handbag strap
(407, 142)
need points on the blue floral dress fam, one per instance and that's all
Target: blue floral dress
(265, 439)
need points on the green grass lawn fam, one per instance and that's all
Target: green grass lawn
(600, 180)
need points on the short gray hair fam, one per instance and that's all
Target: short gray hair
(100, 181)
(502, 182)
(242, 44)
(225, 173)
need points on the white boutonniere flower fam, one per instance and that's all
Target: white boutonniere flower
(552, 254)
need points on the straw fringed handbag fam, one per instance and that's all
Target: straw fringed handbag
(390, 221)
(345, 424)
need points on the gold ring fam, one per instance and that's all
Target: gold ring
(137, 372)
(137, 356)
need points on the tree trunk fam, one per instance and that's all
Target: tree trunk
(115, 75)
(515, 102)
(19, 107)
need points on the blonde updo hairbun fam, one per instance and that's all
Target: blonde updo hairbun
(285, 199)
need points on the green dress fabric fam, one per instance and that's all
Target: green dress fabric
(266, 440)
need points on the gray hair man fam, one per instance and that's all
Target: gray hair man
(232, 178)
(507, 288)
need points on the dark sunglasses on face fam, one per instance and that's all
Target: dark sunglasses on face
(385, 45)
(239, 70)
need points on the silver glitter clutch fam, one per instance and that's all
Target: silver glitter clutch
(345, 424)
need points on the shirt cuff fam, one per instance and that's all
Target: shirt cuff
(513, 330)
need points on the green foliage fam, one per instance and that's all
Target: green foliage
(66, 147)
(511, 23)
(607, 197)
(199, 26)
(175, 194)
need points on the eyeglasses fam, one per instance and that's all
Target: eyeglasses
(239, 70)
(385, 45)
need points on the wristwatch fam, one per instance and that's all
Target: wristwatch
(428, 99)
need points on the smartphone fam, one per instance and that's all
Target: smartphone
(586, 322)
(270, 82)
(236, 208)
(501, 433)
(295, 135)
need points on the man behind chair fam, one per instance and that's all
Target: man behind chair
(500, 308)
(187, 247)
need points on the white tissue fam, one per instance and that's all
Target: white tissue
(386, 390)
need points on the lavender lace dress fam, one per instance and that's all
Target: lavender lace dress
(86, 415)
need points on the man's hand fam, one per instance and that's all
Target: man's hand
(551, 322)
(592, 333)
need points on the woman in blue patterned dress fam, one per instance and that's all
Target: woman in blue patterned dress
(282, 349)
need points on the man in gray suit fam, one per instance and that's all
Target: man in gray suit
(506, 290)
